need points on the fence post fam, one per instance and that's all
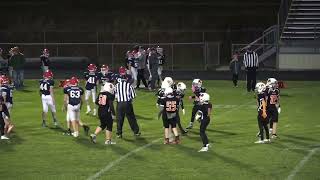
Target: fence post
(57, 50)
(205, 46)
(112, 56)
(172, 57)
(97, 33)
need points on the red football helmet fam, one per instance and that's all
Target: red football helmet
(104, 68)
(4, 79)
(92, 67)
(122, 70)
(48, 74)
(74, 81)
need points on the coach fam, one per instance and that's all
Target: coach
(251, 63)
(125, 94)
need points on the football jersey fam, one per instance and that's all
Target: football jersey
(133, 62)
(272, 98)
(260, 98)
(104, 78)
(7, 92)
(161, 59)
(180, 96)
(91, 80)
(118, 78)
(197, 93)
(45, 85)
(4, 111)
(74, 93)
(160, 95)
(171, 104)
(103, 100)
(204, 109)
(44, 60)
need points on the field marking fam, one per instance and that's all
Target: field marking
(117, 161)
(302, 163)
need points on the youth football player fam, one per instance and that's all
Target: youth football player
(7, 94)
(91, 77)
(47, 97)
(262, 113)
(5, 114)
(273, 105)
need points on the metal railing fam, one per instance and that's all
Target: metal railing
(284, 9)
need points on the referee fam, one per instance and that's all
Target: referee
(251, 63)
(124, 94)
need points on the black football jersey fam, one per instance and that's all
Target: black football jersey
(104, 99)
(160, 95)
(45, 86)
(74, 93)
(204, 109)
(260, 98)
(161, 59)
(7, 92)
(272, 98)
(104, 78)
(91, 80)
(171, 104)
(180, 96)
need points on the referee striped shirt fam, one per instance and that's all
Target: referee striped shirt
(250, 59)
(124, 92)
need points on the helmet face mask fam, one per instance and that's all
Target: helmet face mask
(104, 69)
(272, 83)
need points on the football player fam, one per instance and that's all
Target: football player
(105, 75)
(197, 89)
(169, 116)
(7, 94)
(133, 65)
(203, 113)
(262, 113)
(122, 76)
(66, 84)
(4, 115)
(161, 96)
(45, 62)
(273, 105)
(92, 78)
(179, 91)
(106, 112)
(47, 97)
(72, 102)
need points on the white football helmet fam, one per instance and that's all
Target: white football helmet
(168, 91)
(272, 83)
(108, 87)
(181, 86)
(169, 80)
(197, 82)
(164, 85)
(204, 98)
(260, 87)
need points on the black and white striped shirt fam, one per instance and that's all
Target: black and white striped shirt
(250, 59)
(124, 92)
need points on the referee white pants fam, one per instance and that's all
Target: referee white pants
(47, 102)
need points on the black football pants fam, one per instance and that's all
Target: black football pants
(203, 126)
(2, 124)
(263, 125)
(126, 109)
(251, 79)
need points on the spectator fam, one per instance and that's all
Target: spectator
(16, 65)
(44, 58)
(3, 63)
(235, 68)
(141, 66)
(153, 64)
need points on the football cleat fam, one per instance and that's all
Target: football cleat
(274, 136)
(93, 138)
(4, 138)
(204, 149)
(138, 134)
(166, 141)
(259, 142)
(267, 141)
(109, 142)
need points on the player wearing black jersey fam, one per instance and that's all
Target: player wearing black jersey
(197, 89)
(92, 78)
(203, 113)
(47, 97)
(4, 114)
(106, 112)
(169, 116)
(179, 91)
(273, 105)
(262, 113)
(105, 76)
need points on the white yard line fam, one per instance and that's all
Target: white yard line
(302, 163)
(117, 161)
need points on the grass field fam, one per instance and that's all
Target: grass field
(34, 152)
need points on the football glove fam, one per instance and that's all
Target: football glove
(198, 116)
(279, 110)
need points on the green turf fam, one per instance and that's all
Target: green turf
(34, 152)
